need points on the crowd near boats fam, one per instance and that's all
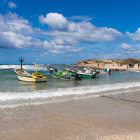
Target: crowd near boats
(69, 72)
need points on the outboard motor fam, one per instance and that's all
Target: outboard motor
(77, 77)
(109, 71)
(51, 71)
(94, 75)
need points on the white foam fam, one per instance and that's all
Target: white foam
(15, 99)
(26, 67)
(66, 91)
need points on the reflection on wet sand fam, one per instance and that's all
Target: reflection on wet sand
(32, 86)
(39, 86)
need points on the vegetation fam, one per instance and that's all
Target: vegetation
(130, 61)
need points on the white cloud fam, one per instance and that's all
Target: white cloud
(55, 51)
(86, 33)
(135, 36)
(59, 41)
(14, 40)
(12, 22)
(16, 32)
(78, 32)
(12, 5)
(44, 54)
(53, 47)
(125, 46)
(54, 20)
(65, 36)
(83, 18)
(130, 49)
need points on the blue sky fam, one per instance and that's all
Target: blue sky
(55, 32)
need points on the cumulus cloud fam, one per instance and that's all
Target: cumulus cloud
(15, 40)
(78, 32)
(12, 5)
(12, 22)
(135, 36)
(54, 20)
(54, 47)
(16, 32)
(130, 49)
(55, 51)
(65, 36)
(125, 46)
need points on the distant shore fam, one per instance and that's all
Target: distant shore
(129, 64)
(112, 69)
(114, 117)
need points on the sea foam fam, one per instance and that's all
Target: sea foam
(26, 67)
(65, 93)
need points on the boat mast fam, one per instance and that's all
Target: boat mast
(21, 60)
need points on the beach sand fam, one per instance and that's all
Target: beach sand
(114, 117)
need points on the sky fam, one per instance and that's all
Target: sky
(65, 32)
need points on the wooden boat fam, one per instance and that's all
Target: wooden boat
(84, 75)
(66, 75)
(87, 74)
(25, 76)
(62, 77)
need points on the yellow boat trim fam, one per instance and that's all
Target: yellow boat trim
(30, 79)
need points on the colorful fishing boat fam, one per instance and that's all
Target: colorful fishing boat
(66, 75)
(23, 75)
(87, 74)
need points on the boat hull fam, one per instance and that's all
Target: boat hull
(102, 72)
(62, 77)
(87, 75)
(30, 79)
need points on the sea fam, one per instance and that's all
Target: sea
(15, 93)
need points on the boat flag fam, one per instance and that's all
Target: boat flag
(36, 65)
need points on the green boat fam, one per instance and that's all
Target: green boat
(63, 75)
(66, 75)
(87, 74)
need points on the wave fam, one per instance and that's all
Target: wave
(62, 94)
(26, 67)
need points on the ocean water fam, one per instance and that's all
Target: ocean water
(14, 93)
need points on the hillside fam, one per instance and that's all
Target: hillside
(109, 61)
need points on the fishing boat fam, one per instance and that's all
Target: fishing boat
(62, 75)
(87, 73)
(25, 76)
(65, 75)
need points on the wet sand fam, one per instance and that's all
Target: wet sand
(115, 117)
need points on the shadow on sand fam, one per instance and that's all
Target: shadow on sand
(120, 99)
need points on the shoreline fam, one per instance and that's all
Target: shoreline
(102, 118)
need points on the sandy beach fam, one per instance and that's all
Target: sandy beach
(104, 118)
